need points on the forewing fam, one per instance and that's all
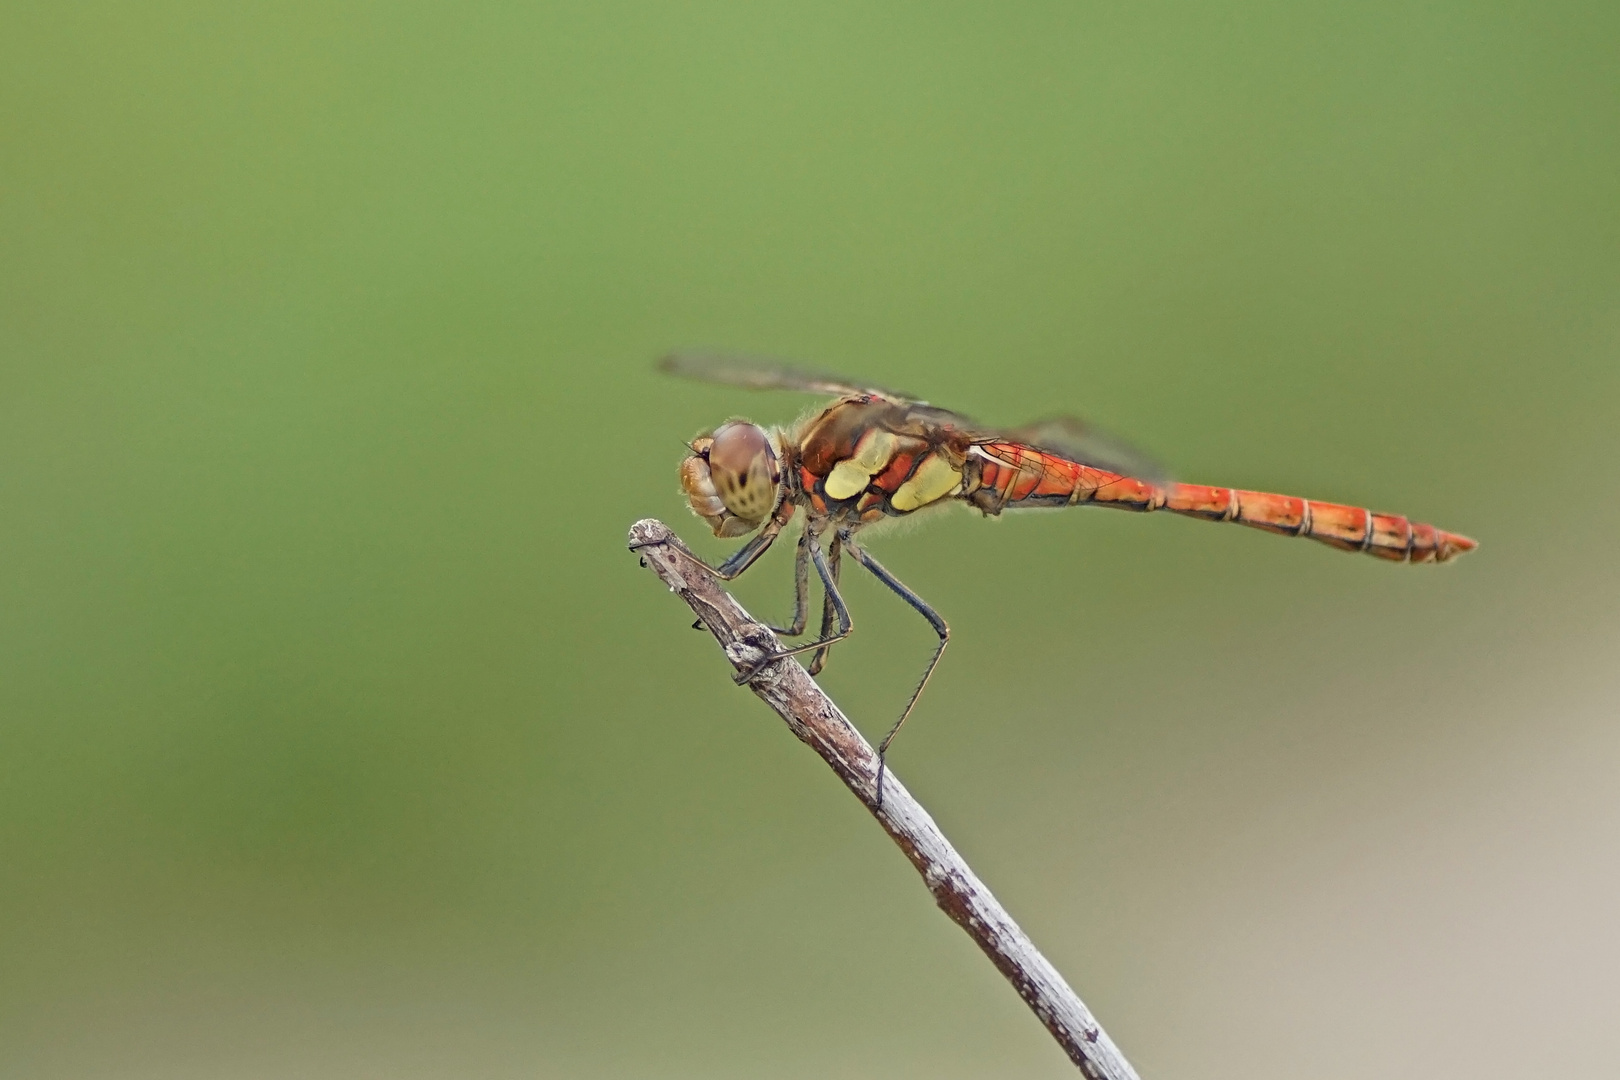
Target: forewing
(1066, 436)
(764, 373)
(1073, 438)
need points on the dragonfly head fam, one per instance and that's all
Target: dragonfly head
(731, 478)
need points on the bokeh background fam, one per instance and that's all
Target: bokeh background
(341, 737)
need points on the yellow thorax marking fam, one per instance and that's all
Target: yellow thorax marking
(850, 476)
(933, 479)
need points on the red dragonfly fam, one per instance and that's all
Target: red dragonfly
(874, 454)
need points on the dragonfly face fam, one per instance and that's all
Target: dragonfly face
(731, 478)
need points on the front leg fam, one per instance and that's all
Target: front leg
(749, 553)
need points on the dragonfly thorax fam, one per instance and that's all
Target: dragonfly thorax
(732, 477)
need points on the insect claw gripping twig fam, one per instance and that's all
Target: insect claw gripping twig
(752, 654)
(816, 721)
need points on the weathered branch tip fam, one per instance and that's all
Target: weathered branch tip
(649, 531)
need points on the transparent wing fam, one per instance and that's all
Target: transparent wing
(1073, 438)
(764, 373)
(1066, 436)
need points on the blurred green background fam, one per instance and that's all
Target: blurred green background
(341, 737)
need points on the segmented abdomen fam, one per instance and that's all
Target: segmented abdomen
(1012, 475)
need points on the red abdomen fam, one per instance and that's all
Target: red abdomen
(1013, 475)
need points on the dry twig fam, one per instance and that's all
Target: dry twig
(785, 687)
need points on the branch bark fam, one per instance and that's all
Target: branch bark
(811, 715)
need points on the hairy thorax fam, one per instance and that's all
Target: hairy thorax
(864, 459)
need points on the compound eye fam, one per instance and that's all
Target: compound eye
(742, 463)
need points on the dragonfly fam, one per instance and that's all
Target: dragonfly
(871, 455)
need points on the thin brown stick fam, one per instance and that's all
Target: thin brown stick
(811, 715)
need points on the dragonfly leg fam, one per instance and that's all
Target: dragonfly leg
(749, 553)
(840, 611)
(934, 619)
(743, 557)
(819, 661)
(801, 590)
